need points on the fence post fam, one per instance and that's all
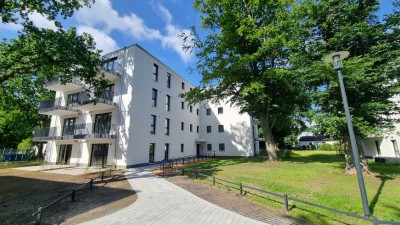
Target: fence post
(213, 180)
(110, 172)
(73, 195)
(183, 161)
(102, 176)
(285, 198)
(375, 220)
(91, 184)
(241, 189)
(38, 216)
(196, 174)
(163, 167)
(183, 171)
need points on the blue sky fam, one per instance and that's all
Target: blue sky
(153, 24)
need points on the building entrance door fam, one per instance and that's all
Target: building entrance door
(64, 155)
(151, 152)
(99, 155)
(166, 152)
(197, 150)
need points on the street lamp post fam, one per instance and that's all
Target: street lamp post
(336, 59)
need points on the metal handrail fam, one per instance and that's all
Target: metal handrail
(286, 198)
(38, 213)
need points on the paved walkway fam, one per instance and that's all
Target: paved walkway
(161, 202)
(62, 169)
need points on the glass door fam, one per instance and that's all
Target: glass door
(68, 128)
(102, 123)
(166, 151)
(99, 155)
(64, 154)
(151, 152)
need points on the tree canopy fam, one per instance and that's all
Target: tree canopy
(36, 55)
(246, 60)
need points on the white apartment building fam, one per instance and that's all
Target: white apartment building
(140, 119)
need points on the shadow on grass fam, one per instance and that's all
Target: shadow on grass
(210, 167)
(312, 158)
(386, 170)
(378, 192)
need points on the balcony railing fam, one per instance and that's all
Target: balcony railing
(52, 104)
(113, 71)
(58, 80)
(77, 131)
(85, 97)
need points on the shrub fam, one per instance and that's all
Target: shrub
(286, 154)
(326, 147)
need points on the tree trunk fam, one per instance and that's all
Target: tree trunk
(350, 166)
(269, 138)
(40, 150)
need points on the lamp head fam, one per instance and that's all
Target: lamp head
(336, 58)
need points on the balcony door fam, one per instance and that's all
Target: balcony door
(99, 155)
(69, 125)
(102, 123)
(64, 154)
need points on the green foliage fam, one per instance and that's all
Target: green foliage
(286, 154)
(370, 74)
(37, 55)
(246, 59)
(326, 147)
(25, 144)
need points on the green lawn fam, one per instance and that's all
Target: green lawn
(37, 162)
(315, 176)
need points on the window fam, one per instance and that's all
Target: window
(197, 111)
(191, 89)
(208, 129)
(220, 110)
(182, 126)
(197, 129)
(155, 72)
(209, 147)
(153, 124)
(182, 147)
(154, 97)
(191, 128)
(191, 108)
(378, 149)
(220, 128)
(168, 103)
(166, 126)
(183, 86)
(168, 80)
(183, 105)
(110, 64)
(208, 112)
(166, 151)
(152, 150)
(222, 147)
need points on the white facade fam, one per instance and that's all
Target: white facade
(387, 145)
(123, 127)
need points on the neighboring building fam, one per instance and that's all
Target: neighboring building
(315, 140)
(140, 119)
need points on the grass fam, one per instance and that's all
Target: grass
(7, 164)
(314, 176)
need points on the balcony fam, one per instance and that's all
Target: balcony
(87, 101)
(84, 131)
(54, 107)
(56, 85)
(110, 74)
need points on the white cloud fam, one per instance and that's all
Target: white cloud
(41, 21)
(104, 18)
(103, 41)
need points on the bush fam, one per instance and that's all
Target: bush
(263, 152)
(286, 154)
(326, 147)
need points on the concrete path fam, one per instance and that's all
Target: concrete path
(161, 202)
(62, 169)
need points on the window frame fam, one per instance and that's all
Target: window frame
(153, 124)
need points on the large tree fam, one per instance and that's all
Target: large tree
(36, 55)
(50, 53)
(370, 73)
(246, 60)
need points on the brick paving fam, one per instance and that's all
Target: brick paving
(161, 202)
